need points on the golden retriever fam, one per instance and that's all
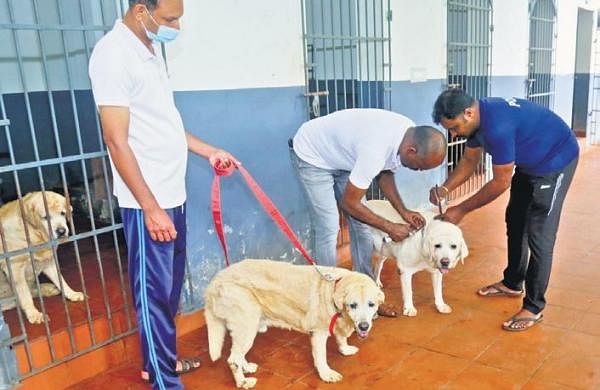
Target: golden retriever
(436, 248)
(33, 222)
(252, 295)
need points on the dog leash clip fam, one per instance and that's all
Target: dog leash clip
(327, 277)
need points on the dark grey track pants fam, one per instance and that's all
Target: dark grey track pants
(532, 218)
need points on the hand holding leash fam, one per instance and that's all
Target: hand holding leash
(400, 231)
(438, 194)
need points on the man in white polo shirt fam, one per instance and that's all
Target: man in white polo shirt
(337, 156)
(148, 148)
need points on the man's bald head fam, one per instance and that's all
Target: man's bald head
(423, 147)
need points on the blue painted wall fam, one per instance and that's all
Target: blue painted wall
(254, 125)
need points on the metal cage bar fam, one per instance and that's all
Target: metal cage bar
(54, 40)
(469, 29)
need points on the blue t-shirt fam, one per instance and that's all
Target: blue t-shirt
(516, 130)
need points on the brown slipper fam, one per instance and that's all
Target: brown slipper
(387, 311)
(493, 290)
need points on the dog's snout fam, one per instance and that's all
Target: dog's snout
(445, 262)
(61, 231)
(363, 326)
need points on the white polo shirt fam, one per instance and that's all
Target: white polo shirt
(125, 73)
(364, 141)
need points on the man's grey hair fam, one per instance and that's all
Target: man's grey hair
(151, 4)
(429, 140)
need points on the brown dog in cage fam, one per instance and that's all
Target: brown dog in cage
(35, 223)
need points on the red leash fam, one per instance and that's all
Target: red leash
(264, 201)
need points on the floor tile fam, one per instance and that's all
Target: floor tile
(422, 369)
(481, 377)
(468, 337)
(581, 371)
(590, 323)
(523, 352)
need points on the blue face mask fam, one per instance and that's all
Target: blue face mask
(164, 34)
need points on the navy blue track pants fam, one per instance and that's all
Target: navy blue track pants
(156, 272)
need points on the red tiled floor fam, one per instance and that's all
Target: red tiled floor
(466, 349)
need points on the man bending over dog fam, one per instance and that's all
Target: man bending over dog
(337, 156)
(534, 153)
(148, 147)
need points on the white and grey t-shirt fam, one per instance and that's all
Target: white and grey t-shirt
(125, 73)
(364, 141)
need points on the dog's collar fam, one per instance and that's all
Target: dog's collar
(337, 313)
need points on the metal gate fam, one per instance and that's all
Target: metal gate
(52, 141)
(346, 54)
(540, 80)
(469, 65)
(347, 57)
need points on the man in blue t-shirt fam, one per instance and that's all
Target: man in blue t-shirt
(535, 153)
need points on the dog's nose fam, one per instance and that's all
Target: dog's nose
(363, 326)
(61, 231)
(445, 262)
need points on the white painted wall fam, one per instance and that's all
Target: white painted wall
(418, 40)
(234, 44)
(510, 37)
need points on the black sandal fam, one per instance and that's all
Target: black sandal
(187, 365)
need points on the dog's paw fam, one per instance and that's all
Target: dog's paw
(35, 317)
(262, 328)
(330, 376)
(49, 289)
(246, 383)
(348, 350)
(409, 311)
(75, 296)
(249, 368)
(445, 309)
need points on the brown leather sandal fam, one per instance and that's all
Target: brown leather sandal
(387, 311)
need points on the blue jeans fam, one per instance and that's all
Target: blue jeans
(324, 189)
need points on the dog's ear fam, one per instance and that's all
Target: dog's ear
(427, 247)
(464, 250)
(31, 207)
(380, 297)
(339, 296)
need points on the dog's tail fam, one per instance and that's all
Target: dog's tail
(216, 333)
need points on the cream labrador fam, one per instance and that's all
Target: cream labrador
(252, 295)
(436, 248)
(40, 227)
